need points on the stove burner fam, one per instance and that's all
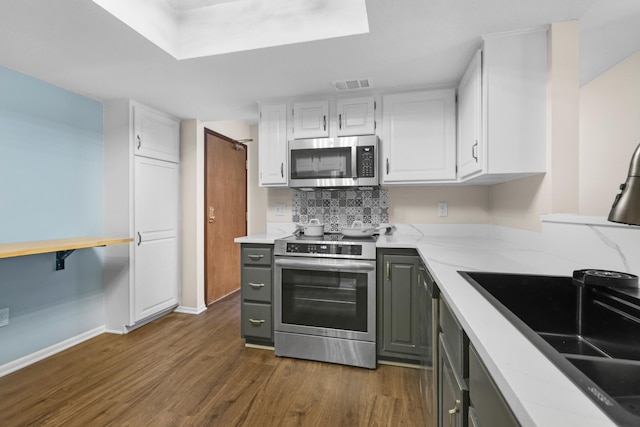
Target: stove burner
(613, 279)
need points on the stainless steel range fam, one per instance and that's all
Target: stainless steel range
(325, 299)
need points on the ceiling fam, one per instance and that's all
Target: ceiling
(77, 45)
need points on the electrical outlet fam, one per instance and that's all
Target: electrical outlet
(443, 209)
(4, 317)
(280, 209)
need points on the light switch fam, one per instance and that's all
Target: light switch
(443, 209)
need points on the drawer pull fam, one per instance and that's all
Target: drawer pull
(454, 411)
(256, 322)
(255, 257)
(256, 285)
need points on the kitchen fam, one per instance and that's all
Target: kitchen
(515, 204)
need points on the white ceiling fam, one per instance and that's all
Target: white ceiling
(77, 45)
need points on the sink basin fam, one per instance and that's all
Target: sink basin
(592, 334)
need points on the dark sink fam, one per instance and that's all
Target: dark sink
(591, 333)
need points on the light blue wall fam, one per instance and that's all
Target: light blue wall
(51, 186)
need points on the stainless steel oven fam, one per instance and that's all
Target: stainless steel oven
(325, 300)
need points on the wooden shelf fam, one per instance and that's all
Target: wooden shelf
(62, 247)
(8, 250)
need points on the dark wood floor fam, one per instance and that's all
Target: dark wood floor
(185, 370)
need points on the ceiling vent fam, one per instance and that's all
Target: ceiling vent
(352, 84)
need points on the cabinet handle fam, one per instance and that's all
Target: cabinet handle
(255, 257)
(256, 322)
(453, 411)
(340, 121)
(474, 151)
(139, 141)
(387, 166)
(388, 270)
(282, 170)
(139, 238)
(324, 122)
(256, 285)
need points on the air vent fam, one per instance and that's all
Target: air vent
(352, 84)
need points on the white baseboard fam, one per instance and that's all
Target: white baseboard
(32, 358)
(190, 310)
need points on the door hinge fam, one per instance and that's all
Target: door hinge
(246, 164)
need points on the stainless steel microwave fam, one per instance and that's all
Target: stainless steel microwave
(334, 162)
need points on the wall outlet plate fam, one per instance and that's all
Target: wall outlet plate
(4, 317)
(281, 209)
(443, 209)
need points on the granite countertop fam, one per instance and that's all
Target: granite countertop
(538, 392)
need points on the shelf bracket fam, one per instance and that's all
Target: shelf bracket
(61, 256)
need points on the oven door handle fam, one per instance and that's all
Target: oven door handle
(349, 267)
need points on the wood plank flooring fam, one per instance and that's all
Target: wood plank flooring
(185, 370)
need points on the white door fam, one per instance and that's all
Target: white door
(155, 134)
(155, 285)
(272, 146)
(311, 119)
(419, 137)
(356, 116)
(470, 148)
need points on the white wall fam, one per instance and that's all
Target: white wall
(609, 133)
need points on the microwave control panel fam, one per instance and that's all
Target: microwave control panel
(366, 161)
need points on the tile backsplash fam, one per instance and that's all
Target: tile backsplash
(339, 208)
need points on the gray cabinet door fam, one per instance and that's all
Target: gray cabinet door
(453, 395)
(401, 306)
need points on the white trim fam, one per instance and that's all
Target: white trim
(261, 347)
(190, 310)
(32, 358)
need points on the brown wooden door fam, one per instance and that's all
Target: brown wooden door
(225, 213)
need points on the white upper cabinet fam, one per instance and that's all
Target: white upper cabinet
(272, 146)
(470, 148)
(156, 135)
(311, 119)
(512, 142)
(355, 116)
(419, 137)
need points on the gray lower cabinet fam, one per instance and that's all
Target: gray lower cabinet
(400, 301)
(256, 284)
(467, 395)
(452, 370)
(487, 407)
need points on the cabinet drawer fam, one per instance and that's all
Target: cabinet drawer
(256, 256)
(256, 284)
(256, 320)
(489, 406)
(454, 337)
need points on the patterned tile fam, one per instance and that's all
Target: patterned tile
(339, 208)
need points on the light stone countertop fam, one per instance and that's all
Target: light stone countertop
(538, 392)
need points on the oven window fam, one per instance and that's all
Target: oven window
(325, 299)
(321, 163)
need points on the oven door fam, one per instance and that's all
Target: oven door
(325, 297)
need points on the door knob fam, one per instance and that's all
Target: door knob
(212, 215)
